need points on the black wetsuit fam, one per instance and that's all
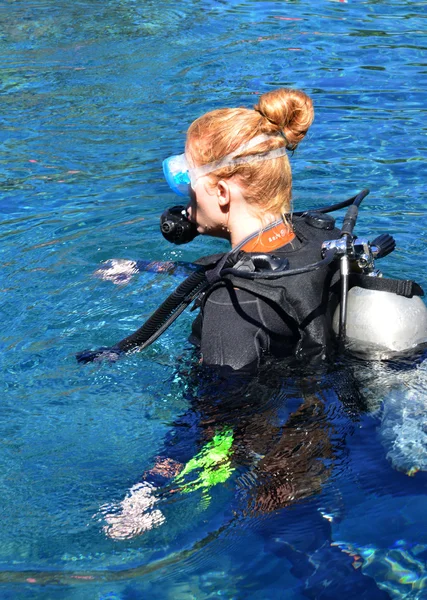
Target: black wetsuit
(240, 321)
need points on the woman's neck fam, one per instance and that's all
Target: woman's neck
(248, 225)
(241, 219)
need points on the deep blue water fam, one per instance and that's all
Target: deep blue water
(94, 95)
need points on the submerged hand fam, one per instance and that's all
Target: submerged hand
(105, 353)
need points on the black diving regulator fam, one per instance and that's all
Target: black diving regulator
(176, 226)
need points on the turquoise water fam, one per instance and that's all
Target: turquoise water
(94, 96)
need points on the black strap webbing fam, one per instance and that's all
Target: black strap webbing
(401, 287)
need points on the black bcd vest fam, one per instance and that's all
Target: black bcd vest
(309, 298)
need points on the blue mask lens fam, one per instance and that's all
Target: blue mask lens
(175, 169)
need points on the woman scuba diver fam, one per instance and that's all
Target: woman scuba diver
(237, 175)
(270, 295)
(274, 293)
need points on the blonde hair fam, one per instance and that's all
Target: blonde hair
(267, 184)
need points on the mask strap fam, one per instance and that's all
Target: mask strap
(228, 159)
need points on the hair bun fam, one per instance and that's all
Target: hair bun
(291, 111)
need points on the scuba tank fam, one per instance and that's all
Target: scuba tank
(379, 316)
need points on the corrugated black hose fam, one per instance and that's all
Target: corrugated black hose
(156, 324)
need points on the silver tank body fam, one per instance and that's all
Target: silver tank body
(383, 322)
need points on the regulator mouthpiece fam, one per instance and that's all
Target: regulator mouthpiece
(175, 226)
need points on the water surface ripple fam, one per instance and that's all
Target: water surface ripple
(323, 492)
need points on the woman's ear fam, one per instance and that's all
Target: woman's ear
(223, 194)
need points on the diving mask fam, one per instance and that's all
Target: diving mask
(180, 176)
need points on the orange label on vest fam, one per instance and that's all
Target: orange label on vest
(270, 240)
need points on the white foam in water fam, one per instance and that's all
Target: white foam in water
(404, 424)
